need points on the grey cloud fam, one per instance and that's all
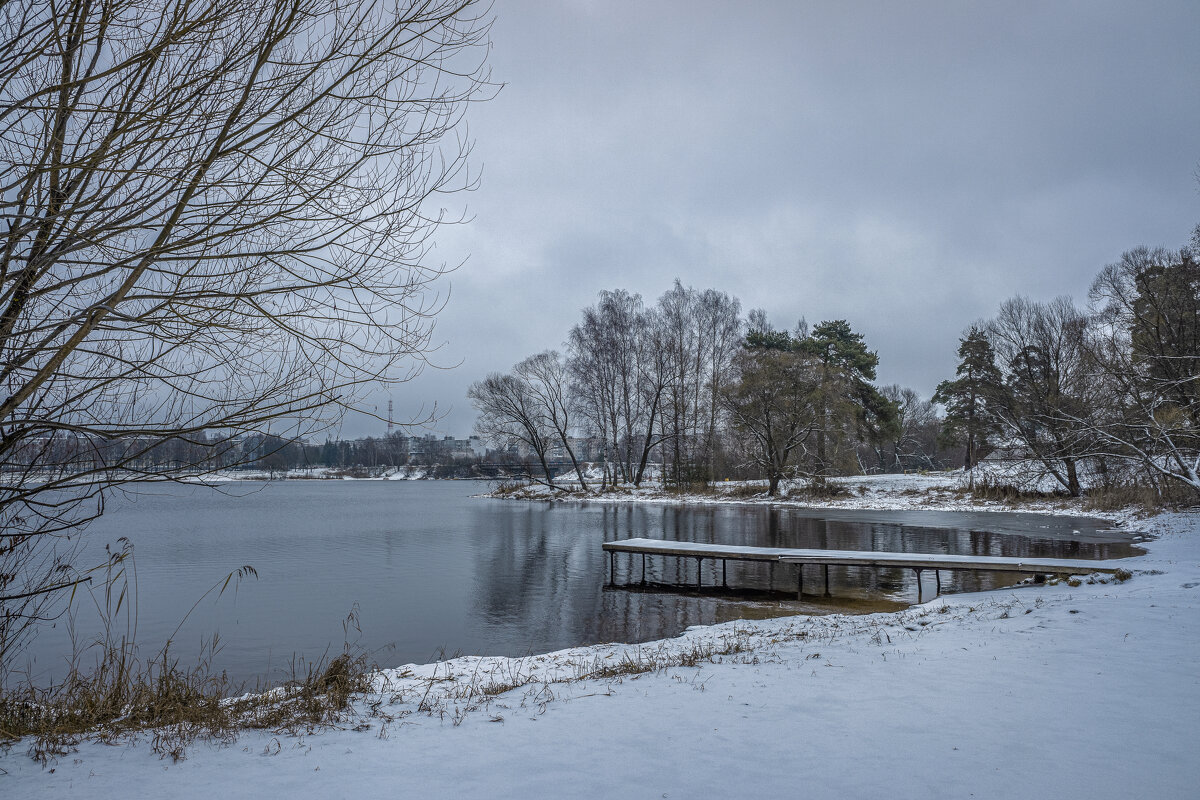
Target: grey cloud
(906, 166)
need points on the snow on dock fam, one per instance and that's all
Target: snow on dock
(865, 558)
(854, 558)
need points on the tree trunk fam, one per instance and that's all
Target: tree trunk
(648, 445)
(1073, 487)
(969, 461)
(821, 456)
(546, 469)
(575, 464)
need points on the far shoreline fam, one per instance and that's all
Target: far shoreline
(941, 491)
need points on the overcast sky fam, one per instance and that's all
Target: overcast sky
(905, 166)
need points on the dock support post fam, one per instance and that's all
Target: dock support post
(612, 568)
(724, 575)
(937, 573)
(919, 586)
(799, 581)
(771, 577)
(827, 580)
(643, 569)
(698, 563)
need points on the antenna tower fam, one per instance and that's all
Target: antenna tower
(390, 416)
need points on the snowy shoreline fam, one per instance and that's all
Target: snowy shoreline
(1084, 691)
(406, 473)
(942, 491)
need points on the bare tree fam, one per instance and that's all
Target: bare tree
(1145, 346)
(1049, 386)
(546, 378)
(721, 327)
(216, 220)
(619, 375)
(680, 337)
(654, 377)
(599, 368)
(511, 415)
(775, 403)
(915, 430)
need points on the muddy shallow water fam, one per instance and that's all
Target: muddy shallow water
(429, 570)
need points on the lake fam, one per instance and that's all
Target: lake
(430, 570)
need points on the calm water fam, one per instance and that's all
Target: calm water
(431, 570)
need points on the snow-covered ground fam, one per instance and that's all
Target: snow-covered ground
(1091, 691)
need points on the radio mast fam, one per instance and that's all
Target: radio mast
(389, 432)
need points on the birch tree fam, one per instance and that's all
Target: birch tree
(619, 372)
(721, 324)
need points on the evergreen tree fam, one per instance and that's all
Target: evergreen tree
(847, 367)
(1165, 330)
(329, 452)
(877, 417)
(968, 418)
(770, 340)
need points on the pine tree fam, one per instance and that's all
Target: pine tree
(968, 418)
(847, 367)
(1164, 330)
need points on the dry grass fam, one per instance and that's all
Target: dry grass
(1149, 499)
(1007, 493)
(124, 698)
(512, 487)
(742, 491)
(819, 491)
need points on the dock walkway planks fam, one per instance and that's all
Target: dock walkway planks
(857, 558)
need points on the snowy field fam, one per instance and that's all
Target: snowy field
(1087, 691)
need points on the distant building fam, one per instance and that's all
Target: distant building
(430, 447)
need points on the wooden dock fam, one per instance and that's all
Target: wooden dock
(918, 562)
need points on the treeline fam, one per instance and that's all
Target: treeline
(73, 453)
(690, 385)
(1103, 395)
(278, 454)
(392, 450)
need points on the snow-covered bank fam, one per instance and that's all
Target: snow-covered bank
(1091, 691)
(932, 491)
(405, 473)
